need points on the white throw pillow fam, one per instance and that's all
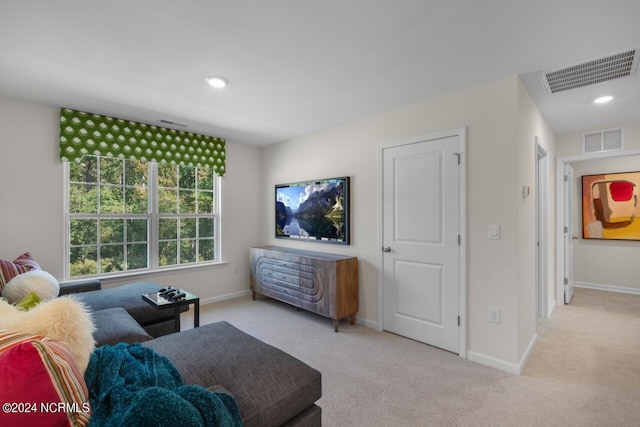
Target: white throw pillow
(41, 282)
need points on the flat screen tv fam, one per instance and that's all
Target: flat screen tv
(315, 211)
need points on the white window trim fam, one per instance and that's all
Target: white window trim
(152, 237)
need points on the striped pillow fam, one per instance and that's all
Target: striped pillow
(10, 269)
(41, 385)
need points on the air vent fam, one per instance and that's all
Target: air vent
(597, 71)
(604, 140)
(169, 122)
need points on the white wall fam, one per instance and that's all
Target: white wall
(571, 144)
(531, 124)
(31, 215)
(501, 124)
(32, 178)
(490, 114)
(604, 263)
(599, 263)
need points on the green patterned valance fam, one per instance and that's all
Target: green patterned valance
(84, 133)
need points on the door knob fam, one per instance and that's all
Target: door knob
(386, 249)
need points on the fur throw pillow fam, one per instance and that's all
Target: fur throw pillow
(63, 319)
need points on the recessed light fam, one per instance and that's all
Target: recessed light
(217, 81)
(603, 99)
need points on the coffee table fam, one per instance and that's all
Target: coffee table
(161, 303)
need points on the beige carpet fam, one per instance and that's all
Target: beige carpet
(585, 369)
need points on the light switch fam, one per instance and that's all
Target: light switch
(494, 232)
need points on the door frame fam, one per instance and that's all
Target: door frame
(542, 227)
(560, 200)
(462, 221)
(568, 231)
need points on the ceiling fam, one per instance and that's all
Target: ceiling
(299, 66)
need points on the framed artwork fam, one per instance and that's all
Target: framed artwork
(610, 206)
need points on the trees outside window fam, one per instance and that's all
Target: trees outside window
(131, 215)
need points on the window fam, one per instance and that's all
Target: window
(185, 215)
(131, 215)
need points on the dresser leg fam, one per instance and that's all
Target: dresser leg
(336, 322)
(353, 319)
(253, 295)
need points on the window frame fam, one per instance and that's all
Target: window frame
(153, 216)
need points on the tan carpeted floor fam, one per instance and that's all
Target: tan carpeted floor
(584, 371)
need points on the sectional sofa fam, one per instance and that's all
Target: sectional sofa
(271, 387)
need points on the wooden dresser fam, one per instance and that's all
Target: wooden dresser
(320, 282)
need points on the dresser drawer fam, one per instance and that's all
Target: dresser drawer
(326, 284)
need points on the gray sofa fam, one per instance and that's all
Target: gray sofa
(134, 316)
(271, 387)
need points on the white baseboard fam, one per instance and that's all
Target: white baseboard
(525, 357)
(502, 365)
(366, 322)
(609, 288)
(551, 307)
(492, 362)
(233, 295)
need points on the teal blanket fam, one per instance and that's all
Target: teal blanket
(132, 385)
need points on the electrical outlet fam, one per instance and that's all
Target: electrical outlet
(494, 315)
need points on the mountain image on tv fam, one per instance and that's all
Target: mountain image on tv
(315, 210)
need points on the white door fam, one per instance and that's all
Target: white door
(568, 233)
(421, 260)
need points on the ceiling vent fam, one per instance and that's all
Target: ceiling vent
(597, 71)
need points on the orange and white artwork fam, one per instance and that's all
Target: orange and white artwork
(610, 206)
